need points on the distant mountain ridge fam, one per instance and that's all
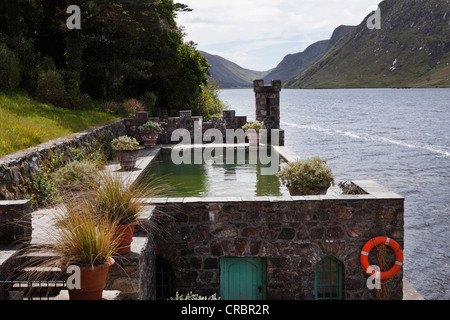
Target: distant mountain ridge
(230, 75)
(293, 64)
(412, 49)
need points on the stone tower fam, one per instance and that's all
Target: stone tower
(267, 104)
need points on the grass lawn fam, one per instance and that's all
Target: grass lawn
(25, 122)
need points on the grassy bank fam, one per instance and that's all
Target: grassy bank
(25, 122)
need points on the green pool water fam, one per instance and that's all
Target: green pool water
(216, 176)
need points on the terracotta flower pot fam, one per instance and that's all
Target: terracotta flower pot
(253, 138)
(93, 281)
(149, 138)
(300, 193)
(124, 235)
(127, 158)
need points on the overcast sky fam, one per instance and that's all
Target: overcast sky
(257, 34)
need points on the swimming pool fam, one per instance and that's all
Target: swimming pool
(225, 172)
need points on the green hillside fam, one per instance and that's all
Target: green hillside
(229, 75)
(24, 122)
(293, 64)
(412, 49)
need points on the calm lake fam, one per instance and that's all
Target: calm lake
(397, 137)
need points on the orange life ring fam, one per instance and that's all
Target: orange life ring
(364, 257)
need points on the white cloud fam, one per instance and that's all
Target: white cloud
(257, 34)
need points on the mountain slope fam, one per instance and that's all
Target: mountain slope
(412, 48)
(293, 64)
(229, 75)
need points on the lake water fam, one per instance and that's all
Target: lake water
(397, 137)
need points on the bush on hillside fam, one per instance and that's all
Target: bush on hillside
(9, 68)
(50, 88)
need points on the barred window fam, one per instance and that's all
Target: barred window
(328, 279)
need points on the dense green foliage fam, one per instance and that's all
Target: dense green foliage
(306, 175)
(124, 49)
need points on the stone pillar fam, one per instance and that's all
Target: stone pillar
(268, 103)
(15, 221)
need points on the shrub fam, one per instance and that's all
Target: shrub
(150, 127)
(76, 100)
(77, 175)
(208, 102)
(111, 107)
(306, 176)
(50, 88)
(255, 125)
(125, 143)
(9, 69)
(193, 296)
(131, 106)
(350, 188)
(43, 191)
(149, 101)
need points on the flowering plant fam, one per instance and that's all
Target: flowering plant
(255, 125)
(150, 127)
(125, 143)
(308, 176)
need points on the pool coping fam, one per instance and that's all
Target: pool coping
(146, 154)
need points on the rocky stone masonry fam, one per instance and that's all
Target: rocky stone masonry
(292, 234)
(17, 168)
(228, 120)
(267, 103)
(15, 221)
(267, 106)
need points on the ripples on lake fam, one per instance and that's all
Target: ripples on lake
(398, 137)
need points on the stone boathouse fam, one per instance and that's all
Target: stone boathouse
(246, 247)
(299, 247)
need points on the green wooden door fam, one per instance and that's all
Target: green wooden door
(242, 278)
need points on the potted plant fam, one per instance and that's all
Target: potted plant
(149, 132)
(252, 130)
(85, 241)
(306, 177)
(127, 150)
(118, 199)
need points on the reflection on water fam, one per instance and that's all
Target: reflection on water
(225, 173)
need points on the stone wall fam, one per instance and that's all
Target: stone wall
(15, 221)
(292, 234)
(228, 120)
(17, 168)
(133, 273)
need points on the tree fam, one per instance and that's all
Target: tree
(124, 49)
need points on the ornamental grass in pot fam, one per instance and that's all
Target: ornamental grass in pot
(84, 240)
(127, 150)
(149, 132)
(307, 177)
(252, 130)
(121, 201)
